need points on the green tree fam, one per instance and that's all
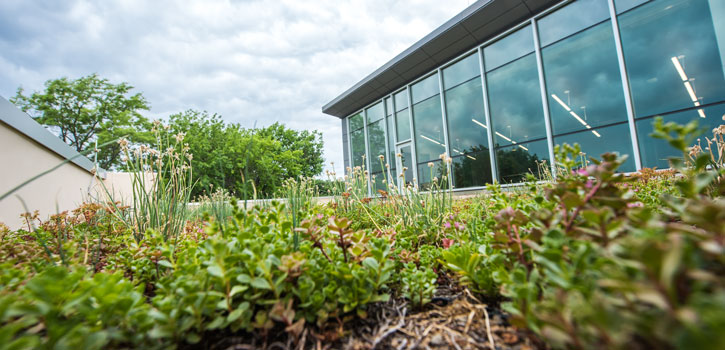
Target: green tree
(87, 110)
(309, 142)
(232, 157)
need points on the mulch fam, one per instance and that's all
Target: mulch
(455, 319)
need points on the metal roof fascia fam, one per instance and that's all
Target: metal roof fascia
(24, 124)
(417, 46)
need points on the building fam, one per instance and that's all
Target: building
(27, 149)
(503, 82)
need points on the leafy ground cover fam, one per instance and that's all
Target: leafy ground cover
(593, 259)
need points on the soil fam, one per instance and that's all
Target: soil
(455, 319)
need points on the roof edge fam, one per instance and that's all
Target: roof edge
(24, 124)
(468, 11)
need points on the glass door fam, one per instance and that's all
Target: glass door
(404, 162)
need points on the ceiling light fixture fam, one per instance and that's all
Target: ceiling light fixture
(573, 114)
(688, 85)
(479, 123)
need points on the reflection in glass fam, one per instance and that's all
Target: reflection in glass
(401, 100)
(356, 122)
(429, 141)
(358, 147)
(376, 112)
(613, 139)
(402, 123)
(428, 174)
(515, 162)
(514, 99)
(390, 159)
(466, 122)
(583, 81)
(655, 152)
(511, 47)
(376, 143)
(377, 180)
(672, 55)
(461, 71)
(425, 88)
(388, 106)
(624, 5)
(406, 160)
(571, 19)
(473, 169)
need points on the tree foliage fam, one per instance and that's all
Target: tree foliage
(87, 110)
(309, 142)
(232, 157)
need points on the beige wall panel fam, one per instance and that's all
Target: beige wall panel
(22, 158)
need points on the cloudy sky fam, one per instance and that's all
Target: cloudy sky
(263, 61)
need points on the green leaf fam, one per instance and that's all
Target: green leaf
(371, 263)
(237, 289)
(244, 278)
(260, 283)
(234, 315)
(218, 322)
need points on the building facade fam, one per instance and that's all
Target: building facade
(499, 85)
(27, 149)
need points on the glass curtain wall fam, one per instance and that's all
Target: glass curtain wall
(376, 144)
(514, 99)
(674, 52)
(467, 130)
(357, 140)
(389, 161)
(583, 81)
(428, 125)
(402, 116)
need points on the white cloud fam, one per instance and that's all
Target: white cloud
(248, 61)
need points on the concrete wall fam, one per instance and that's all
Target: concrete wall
(63, 189)
(22, 158)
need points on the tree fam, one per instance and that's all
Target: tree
(223, 153)
(310, 143)
(88, 110)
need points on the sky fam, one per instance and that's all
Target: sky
(249, 61)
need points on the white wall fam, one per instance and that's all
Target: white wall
(22, 158)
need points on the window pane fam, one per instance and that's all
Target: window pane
(402, 123)
(514, 99)
(511, 47)
(356, 122)
(672, 55)
(428, 174)
(473, 169)
(401, 100)
(655, 152)
(406, 159)
(583, 81)
(425, 88)
(624, 5)
(388, 106)
(376, 143)
(461, 71)
(375, 112)
(358, 147)
(428, 124)
(377, 180)
(594, 143)
(390, 159)
(514, 162)
(571, 19)
(466, 122)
